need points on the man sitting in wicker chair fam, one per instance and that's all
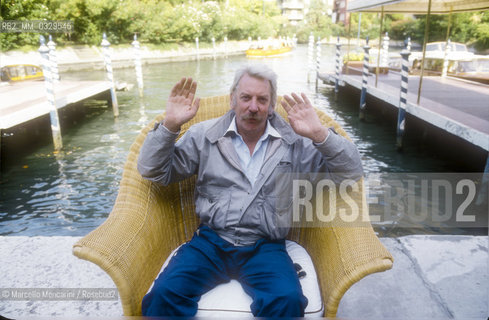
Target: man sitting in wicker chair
(237, 159)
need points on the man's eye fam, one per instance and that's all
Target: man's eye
(263, 100)
(245, 98)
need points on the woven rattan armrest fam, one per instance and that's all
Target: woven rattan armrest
(139, 234)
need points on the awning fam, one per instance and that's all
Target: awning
(417, 6)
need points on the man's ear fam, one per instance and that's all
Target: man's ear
(271, 109)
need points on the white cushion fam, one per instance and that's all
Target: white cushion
(229, 299)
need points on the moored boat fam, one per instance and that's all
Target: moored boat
(269, 49)
(476, 69)
(435, 54)
(21, 72)
(267, 52)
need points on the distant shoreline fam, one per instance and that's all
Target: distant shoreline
(86, 57)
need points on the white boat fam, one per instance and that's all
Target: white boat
(435, 51)
(476, 69)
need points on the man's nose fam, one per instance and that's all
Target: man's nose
(253, 105)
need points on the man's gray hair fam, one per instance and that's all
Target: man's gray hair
(259, 71)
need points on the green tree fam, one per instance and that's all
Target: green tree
(466, 27)
(369, 25)
(405, 27)
(90, 17)
(481, 32)
(22, 10)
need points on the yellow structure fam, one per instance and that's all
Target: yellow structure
(21, 72)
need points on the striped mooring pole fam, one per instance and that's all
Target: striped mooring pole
(197, 47)
(445, 59)
(318, 61)
(53, 59)
(225, 46)
(363, 95)
(401, 118)
(48, 82)
(338, 68)
(108, 66)
(385, 51)
(138, 65)
(310, 57)
(213, 48)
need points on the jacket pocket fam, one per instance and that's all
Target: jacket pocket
(212, 204)
(277, 216)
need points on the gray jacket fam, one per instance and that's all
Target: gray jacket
(224, 198)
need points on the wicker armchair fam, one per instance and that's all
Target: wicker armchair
(149, 221)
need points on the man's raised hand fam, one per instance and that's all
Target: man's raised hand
(303, 118)
(181, 106)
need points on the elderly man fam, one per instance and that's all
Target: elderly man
(237, 159)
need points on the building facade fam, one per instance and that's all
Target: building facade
(340, 13)
(296, 10)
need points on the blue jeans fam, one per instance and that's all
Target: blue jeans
(264, 270)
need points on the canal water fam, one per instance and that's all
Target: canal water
(73, 191)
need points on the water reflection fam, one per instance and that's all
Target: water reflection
(72, 192)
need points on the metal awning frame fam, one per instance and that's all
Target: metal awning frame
(414, 7)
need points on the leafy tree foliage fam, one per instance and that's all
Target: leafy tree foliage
(22, 10)
(155, 21)
(369, 25)
(471, 28)
(174, 21)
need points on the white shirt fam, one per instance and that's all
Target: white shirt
(251, 164)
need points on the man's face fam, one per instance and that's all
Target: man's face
(252, 105)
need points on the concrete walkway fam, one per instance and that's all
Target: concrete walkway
(434, 277)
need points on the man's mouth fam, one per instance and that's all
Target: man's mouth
(251, 118)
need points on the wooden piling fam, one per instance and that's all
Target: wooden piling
(401, 119)
(363, 95)
(197, 48)
(338, 68)
(310, 57)
(48, 82)
(108, 66)
(318, 61)
(53, 60)
(138, 64)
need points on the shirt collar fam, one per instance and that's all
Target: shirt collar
(269, 130)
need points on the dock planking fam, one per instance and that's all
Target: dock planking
(24, 101)
(458, 107)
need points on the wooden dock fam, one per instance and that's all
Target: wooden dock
(456, 106)
(24, 101)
